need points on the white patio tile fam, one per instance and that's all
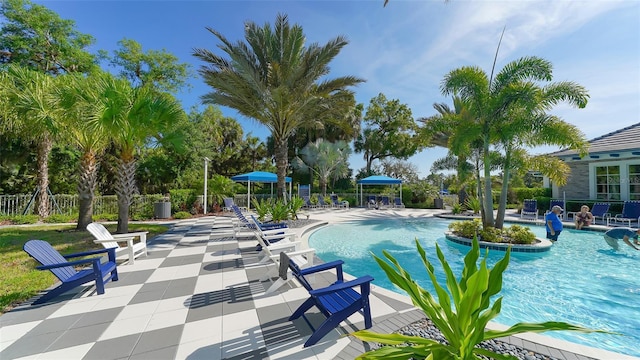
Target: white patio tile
(203, 349)
(175, 272)
(292, 350)
(137, 310)
(209, 329)
(210, 282)
(167, 319)
(237, 342)
(329, 347)
(262, 300)
(175, 303)
(298, 293)
(109, 303)
(126, 327)
(14, 332)
(78, 306)
(240, 321)
(74, 352)
(141, 264)
(192, 250)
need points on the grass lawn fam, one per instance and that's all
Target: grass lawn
(19, 279)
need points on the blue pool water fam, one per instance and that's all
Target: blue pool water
(581, 280)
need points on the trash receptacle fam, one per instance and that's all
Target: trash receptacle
(162, 210)
(438, 203)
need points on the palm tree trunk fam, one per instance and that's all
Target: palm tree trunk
(125, 189)
(479, 188)
(42, 200)
(282, 163)
(488, 197)
(323, 186)
(502, 206)
(86, 188)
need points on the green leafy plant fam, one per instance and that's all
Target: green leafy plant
(473, 204)
(279, 211)
(105, 217)
(461, 312)
(182, 215)
(491, 234)
(262, 208)
(456, 208)
(467, 229)
(220, 187)
(24, 219)
(520, 234)
(295, 205)
(59, 218)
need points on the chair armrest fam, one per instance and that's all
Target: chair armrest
(345, 285)
(100, 241)
(289, 245)
(141, 234)
(92, 252)
(70, 263)
(295, 253)
(321, 267)
(274, 231)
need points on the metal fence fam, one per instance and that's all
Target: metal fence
(12, 205)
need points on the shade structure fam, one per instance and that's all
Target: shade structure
(261, 177)
(379, 180)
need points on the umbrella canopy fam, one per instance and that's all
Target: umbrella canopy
(378, 180)
(261, 177)
(258, 176)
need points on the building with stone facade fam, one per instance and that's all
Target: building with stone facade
(610, 172)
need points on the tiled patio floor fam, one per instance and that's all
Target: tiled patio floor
(197, 295)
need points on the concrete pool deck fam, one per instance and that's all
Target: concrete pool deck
(197, 295)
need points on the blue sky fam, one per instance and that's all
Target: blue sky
(405, 49)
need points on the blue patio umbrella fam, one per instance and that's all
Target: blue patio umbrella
(261, 177)
(378, 180)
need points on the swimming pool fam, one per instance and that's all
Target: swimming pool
(580, 280)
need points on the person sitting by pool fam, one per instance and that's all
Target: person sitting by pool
(612, 236)
(584, 217)
(553, 223)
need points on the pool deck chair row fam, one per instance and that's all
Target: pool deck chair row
(336, 302)
(65, 271)
(630, 215)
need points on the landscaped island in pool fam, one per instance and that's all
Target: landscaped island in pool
(581, 280)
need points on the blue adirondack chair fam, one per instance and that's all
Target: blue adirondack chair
(64, 270)
(630, 213)
(337, 302)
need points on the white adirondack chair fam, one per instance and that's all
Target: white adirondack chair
(108, 240)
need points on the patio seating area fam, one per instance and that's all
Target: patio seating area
(198, 295)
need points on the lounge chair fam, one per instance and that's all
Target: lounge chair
(630, 214)
(553, 203)
(530, 208)
(229, 204)
(307, 202)
(108, 240)
(242, 224)
(599, 210)
(65, 270)
(321, 202)
(397, 203)
(337, 302)
(384, 202)
(338, 204)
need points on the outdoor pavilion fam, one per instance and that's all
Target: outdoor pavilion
(378, 180)
(260, 177)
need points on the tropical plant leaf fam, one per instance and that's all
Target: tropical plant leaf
(538, 328)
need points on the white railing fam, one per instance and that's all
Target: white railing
(12, 205)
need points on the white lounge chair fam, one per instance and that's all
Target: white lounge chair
(108, 240)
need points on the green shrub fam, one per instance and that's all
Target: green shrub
(491, 234)
(59, 218)
(183, 200)
(279, 211)
(543, 204)
(473, 204)
(466, 228)
(24, 219)
(295, 205)
(182, 215)
(531, 193)
(456, 208)
(262, 208)
(461, 312)
(520, 234)
(105, 217)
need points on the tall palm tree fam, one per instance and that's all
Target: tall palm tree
(35, 114)
(490, 100)
(274, 79)
(325, 159)
(133, 117)
(83, 99)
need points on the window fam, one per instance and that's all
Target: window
(634, 182)
(608, 183)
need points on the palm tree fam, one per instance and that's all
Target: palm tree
(492, 100)
(34, 113)
(325, 159)
(83, 99)
(274, 79)
(132, 117)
